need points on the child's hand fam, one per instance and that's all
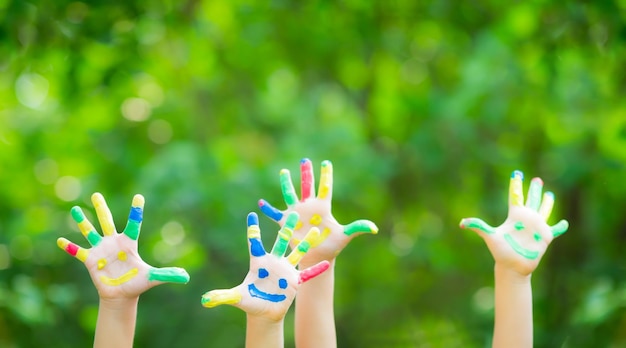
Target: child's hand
(113, 262)
(272, 282)
(315, 212)
(520, 242)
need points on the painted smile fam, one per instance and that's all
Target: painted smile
(529, 254)
(255, 292)
(121, 279)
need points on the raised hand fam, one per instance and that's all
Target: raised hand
(521, 241)
(315, 211)
(113, 262)
(272, 281)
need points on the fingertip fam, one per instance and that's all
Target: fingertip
(284, 172)
(537, 180)
(253, 219)
(62, 243)
(292, 219)
(77, 214)
(138, 201)
(305, 161)
(462, 224)
(97, 196)
(517, 174)
(326, 163)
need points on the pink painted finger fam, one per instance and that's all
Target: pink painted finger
(307, 179)
(313, 271)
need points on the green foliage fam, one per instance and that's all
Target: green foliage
(424, 108)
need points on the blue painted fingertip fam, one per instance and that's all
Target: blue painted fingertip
(253, 219)
(517, 173)
(270, 211)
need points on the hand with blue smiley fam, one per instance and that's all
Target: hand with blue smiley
(113, 261)
(523, 238)
(272, 281)
(315, 211)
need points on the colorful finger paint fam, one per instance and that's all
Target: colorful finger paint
(313, 271)
(326, 181)
(254, 236)
(516, 193)
(270, 211)
(102, 263)
(360, 226)
(307, 180)
(135, 217)
(547, 203)
(303, 246)
(529, 254)
(476, 223)
(73, 249)
(219, 297)
(132, 273)
(286, 185)
(169, 275)
(86, 228)
(534, 194)
(284, 235)
(104, 214)
(255, 292)
(560, 228)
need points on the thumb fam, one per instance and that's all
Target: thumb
(477, 225)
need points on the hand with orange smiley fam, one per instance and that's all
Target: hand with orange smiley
(520, 242)
(113, 262)
(315, 211)
(272, 281)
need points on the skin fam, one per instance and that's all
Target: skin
(314, 320)
(517, 247)
(269, 287)
(117, 271)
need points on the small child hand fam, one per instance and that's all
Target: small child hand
(521, 241)
(315, 212)
(272, 281)
(113, 262)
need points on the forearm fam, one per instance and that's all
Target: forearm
(264, 333)
(116, 323)
(315, 318)
(513, 310)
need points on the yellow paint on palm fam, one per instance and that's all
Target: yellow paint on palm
(120, 280)
(315, 220)
(102, 263)
(298, 225)
(121, 256)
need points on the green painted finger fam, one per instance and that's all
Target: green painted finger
(135, 217)
(286, 185)
(560, 228)
(86, 228)
(360, 226)
(303, 247)
(168, 275)
(216, 298)
(477, 224)
(534, 194)
(284, 235)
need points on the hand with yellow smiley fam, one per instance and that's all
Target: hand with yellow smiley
(315, 211)
(521, 241)
(270, 286)
(113, 262)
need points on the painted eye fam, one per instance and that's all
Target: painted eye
(282, 283)
(263, 273)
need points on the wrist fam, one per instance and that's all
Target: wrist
(119, 304)
(510, 275)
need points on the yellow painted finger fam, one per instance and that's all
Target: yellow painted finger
(104, 214)
(303, 247)
(216, 298)
(326, 181)
(73, 249)
(546, 205)
(516, 193)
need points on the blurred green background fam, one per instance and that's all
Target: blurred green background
(424, 108)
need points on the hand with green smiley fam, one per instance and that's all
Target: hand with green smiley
(517, 246)
(521, 241)
(271, 283)
(117, 271)
(315, 322)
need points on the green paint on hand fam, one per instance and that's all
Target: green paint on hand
(360, 226)
(560, 228)
(168, 274)
(529, 254)
(519, 225)
(132, 229)
(94, 238)
(477, 224)
(77, 214)
(287, 187)
(537, 236)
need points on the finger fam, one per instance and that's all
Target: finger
(307, 179)
(168, 275)
(216, 298)
(325, 190)
(313, 271)
(303, 246)
(360, 226)
(270, 211)
(254, 236)
(534, 194)
(86, 228)
(546, 205)
(516, 193)
(284, 235)
(73, 249)
(133, 226)
(560, 228)
(104, 214)
(477, 225)
(286, 185)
